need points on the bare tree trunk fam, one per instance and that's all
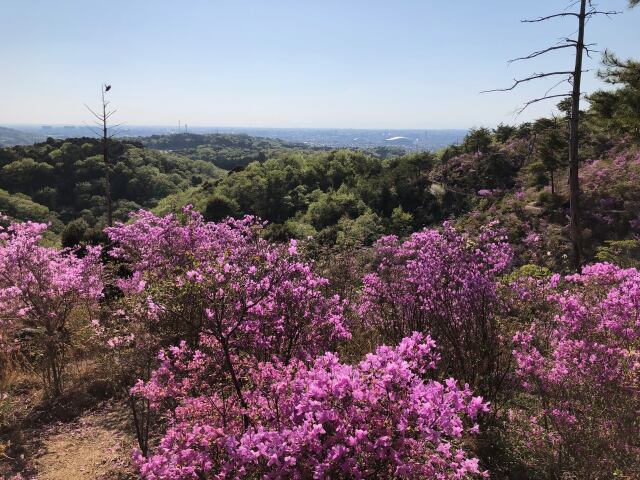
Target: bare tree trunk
(574, 124)
(236, 382)
(141, 420)
(574, 77)
(107, 166)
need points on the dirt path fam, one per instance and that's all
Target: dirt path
(97, 445)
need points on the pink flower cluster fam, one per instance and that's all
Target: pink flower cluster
(593, 338)
(432, 274)
(442, 283)
(37, 281)
(243, 377)
(222, 283)
(377, 419)
(583, 365)
(611, 189)
(40, 288)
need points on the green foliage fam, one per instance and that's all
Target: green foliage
(328, 208)
(22, 207)
(551, 152)
(62, 180)
(477, 140)
(74, 233)
(227, 151)
(363, 230)
(618, 111)
(401, 222)
(321, 194)
(220, 207)
(504, 132)
(25, 175)
(548, 199)
(515, 174)
(538, 174)
(529, 270)
(624, 253)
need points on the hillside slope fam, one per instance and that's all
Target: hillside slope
(63, 180)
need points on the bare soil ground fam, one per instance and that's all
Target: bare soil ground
(95, 445)
(84, 434)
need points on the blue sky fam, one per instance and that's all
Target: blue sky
(286, 63)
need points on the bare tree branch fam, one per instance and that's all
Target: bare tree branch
(99, 117)
(589, 51)
(590, 13)
(540, 52)
(537, 100)
(548, 17)
(572, 4)
(557, 85)
(535, 76)
(608, 13)
(95, 132)
(114, 129)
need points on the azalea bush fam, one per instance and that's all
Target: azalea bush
(377, 419)
(611, 186)
(247, 389)
(216, 286)
(443, 283)
(187, 277)
(579, 370)
(224, 345)
(41, 289)
(477, 170)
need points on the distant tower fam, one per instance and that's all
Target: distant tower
(186, 130)
(179, 127)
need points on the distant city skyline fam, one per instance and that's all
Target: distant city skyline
(409, 64)
(410, 139)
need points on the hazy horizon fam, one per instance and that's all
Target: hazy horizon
(285, 64)
(229, 127)
(411, 139)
